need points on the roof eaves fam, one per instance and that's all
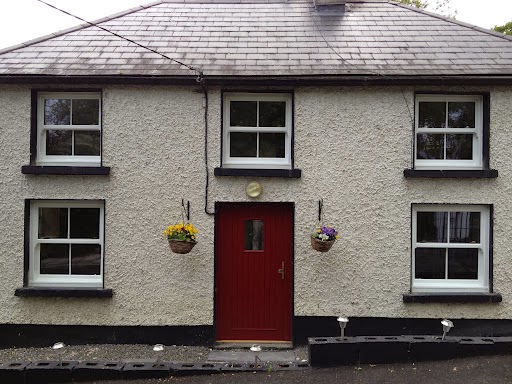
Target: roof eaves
(79, 27)
(454, 21)
(228, 80)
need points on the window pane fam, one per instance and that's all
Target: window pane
(243, 113)
(432, 115)
(465, 227)
(430, 146)
(272, 114)
(87, 143)
(461, 115)
(459, 147)
(242, 144)
(463, 263)
(57, 111)
(272, 145)
(85, 259)
(53, 223)
(430, 263)
(58, 142)
(85, 223)
(54, 259)
(86, 112)
(431, 227)
(254, 235)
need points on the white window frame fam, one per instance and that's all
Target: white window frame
(76, 281)
(428, 164)
(71, 160)
(255, 162)
(481, 284)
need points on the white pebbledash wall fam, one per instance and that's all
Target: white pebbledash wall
(352, 145)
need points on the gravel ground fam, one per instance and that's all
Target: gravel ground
(121, 352)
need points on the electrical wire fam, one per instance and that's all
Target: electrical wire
(200, 79)
(198, 71)
(367, 70)
(205, 95)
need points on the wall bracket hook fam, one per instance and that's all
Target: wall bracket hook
(320, 209)
(186, 210)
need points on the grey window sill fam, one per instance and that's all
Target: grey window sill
(64, 170)
(452, 174)
(63, 292)
(284, 173)
(452, 298)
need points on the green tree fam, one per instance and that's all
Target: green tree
(505, 29)
(443, 7)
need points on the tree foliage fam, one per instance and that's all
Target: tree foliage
(443, 7)
(505, 29)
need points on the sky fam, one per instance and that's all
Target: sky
(23, 20)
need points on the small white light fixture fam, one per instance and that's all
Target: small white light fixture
(256, 349)
(343, 324)
(59, 348)
(447, 325)
(158, 349)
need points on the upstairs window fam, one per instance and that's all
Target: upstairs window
(257, 130)
(69, 129)
(449, 132)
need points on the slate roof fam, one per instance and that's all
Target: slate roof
(267, 38)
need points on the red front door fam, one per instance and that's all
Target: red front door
(253, 271)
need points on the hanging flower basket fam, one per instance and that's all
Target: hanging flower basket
(323, 238)
(181, 246)
(181, 237)
(321, 245)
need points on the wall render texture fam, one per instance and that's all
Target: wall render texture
(352, 145)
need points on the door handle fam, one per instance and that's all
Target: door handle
(281, 270)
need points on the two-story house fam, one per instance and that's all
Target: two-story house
(265, 117)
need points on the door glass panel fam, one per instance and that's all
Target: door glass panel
(254, 235)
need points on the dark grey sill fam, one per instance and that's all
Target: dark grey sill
(452, 174)
(59, 170)
(63, 292)
(452, 298)
(284, 173)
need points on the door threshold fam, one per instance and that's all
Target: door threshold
(233, 344)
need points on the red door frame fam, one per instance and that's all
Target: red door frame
(287, 209)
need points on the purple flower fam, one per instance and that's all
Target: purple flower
(331, 232)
